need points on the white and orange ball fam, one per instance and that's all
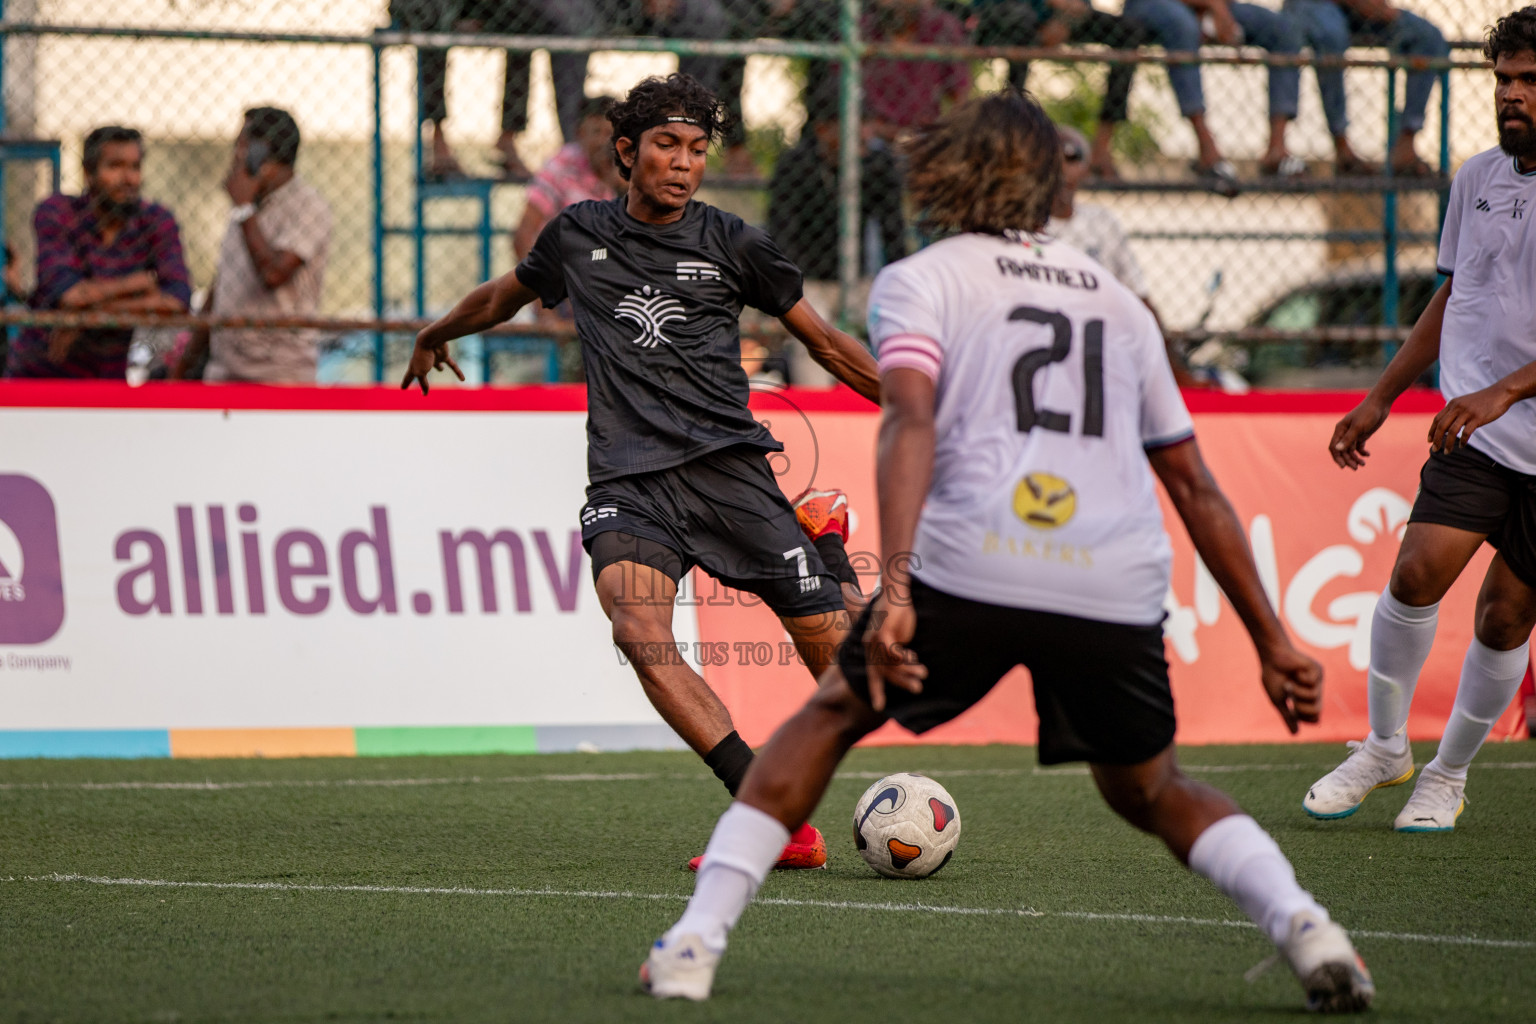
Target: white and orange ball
(906, 826)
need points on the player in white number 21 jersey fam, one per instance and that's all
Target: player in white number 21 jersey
(1024, 392)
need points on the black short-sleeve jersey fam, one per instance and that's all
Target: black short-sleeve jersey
(658, 312)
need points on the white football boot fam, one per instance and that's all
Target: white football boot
(1326, 964)
(683, 968)
(1437, 802)
(1338, 794)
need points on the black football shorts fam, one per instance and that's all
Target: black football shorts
(1101, 688)
(723, 512)
(1469, 490)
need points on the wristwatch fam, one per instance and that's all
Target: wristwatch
(242, 213)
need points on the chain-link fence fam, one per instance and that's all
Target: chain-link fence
(1282, 197)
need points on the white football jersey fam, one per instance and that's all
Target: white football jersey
(1052, 382)
(1490, 323)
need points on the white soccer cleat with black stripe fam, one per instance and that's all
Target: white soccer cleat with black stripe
(1339, 793)
(1437, 802)
(1326, 964)
(680, 968)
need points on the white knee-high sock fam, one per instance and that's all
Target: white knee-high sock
(1401, 636)
(1243, 861)
(745, 846)
(1489, 680)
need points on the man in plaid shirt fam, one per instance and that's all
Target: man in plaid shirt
(106, 250)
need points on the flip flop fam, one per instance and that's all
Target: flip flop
(1415, 168)
(1355, 167)
(1221, 176)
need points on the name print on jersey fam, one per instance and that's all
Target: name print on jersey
(650, 309)
(1046, 274)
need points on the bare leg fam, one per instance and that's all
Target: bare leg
(1210, 153)
(1158, 798)
(1101, 162)
(1429, 560)
(1405, 156)
(792, 771)
(1276, 150)
(638, 601)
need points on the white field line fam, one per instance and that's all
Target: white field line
(476, 780)
(898, 908)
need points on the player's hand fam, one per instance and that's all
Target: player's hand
(1294, 683)
(887, 658)
(426, 357)
(1453, 425)
(1349, 436)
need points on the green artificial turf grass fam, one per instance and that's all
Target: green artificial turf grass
(79, 951)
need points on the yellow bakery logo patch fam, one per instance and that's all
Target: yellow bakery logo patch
(1044, 501)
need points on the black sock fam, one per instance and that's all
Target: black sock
(835, 557)
(729, 760)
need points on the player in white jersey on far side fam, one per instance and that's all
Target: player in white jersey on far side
(1480, 480)
(1025, 391)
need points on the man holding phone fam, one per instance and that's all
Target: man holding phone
(271, 261)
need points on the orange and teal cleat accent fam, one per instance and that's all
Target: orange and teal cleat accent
(822, 512)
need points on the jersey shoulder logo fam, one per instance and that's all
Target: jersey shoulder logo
(649, 309)
(688, 270)
(599, 254)
(1483, 204)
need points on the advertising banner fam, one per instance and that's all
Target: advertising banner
(194, 571)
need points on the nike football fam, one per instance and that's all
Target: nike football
(906, 826)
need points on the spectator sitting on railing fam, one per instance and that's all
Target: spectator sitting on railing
(1051, 23)
(803, 212)
(1176, 24)
(902, 94)
(532, 17)
(107, 250)
(1330, 26)
(271, 260)
(1095, 230)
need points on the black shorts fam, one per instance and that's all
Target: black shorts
(1468, 490)
(723, 512)
(1101, 688)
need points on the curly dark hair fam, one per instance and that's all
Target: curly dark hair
(991, 164)
(1513, 33)
(278, 129)
(654, 99)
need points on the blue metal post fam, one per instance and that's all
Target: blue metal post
(378, 213)
(1389, 281)
(418, 206)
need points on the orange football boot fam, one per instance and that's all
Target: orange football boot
(806, 849)
(822, 512)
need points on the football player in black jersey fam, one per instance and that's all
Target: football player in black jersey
(677, 464)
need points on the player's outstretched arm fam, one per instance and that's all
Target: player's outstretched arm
(1420, 350)
(903, 471)
(491, 303)
(1293, 681)
(841, 356)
